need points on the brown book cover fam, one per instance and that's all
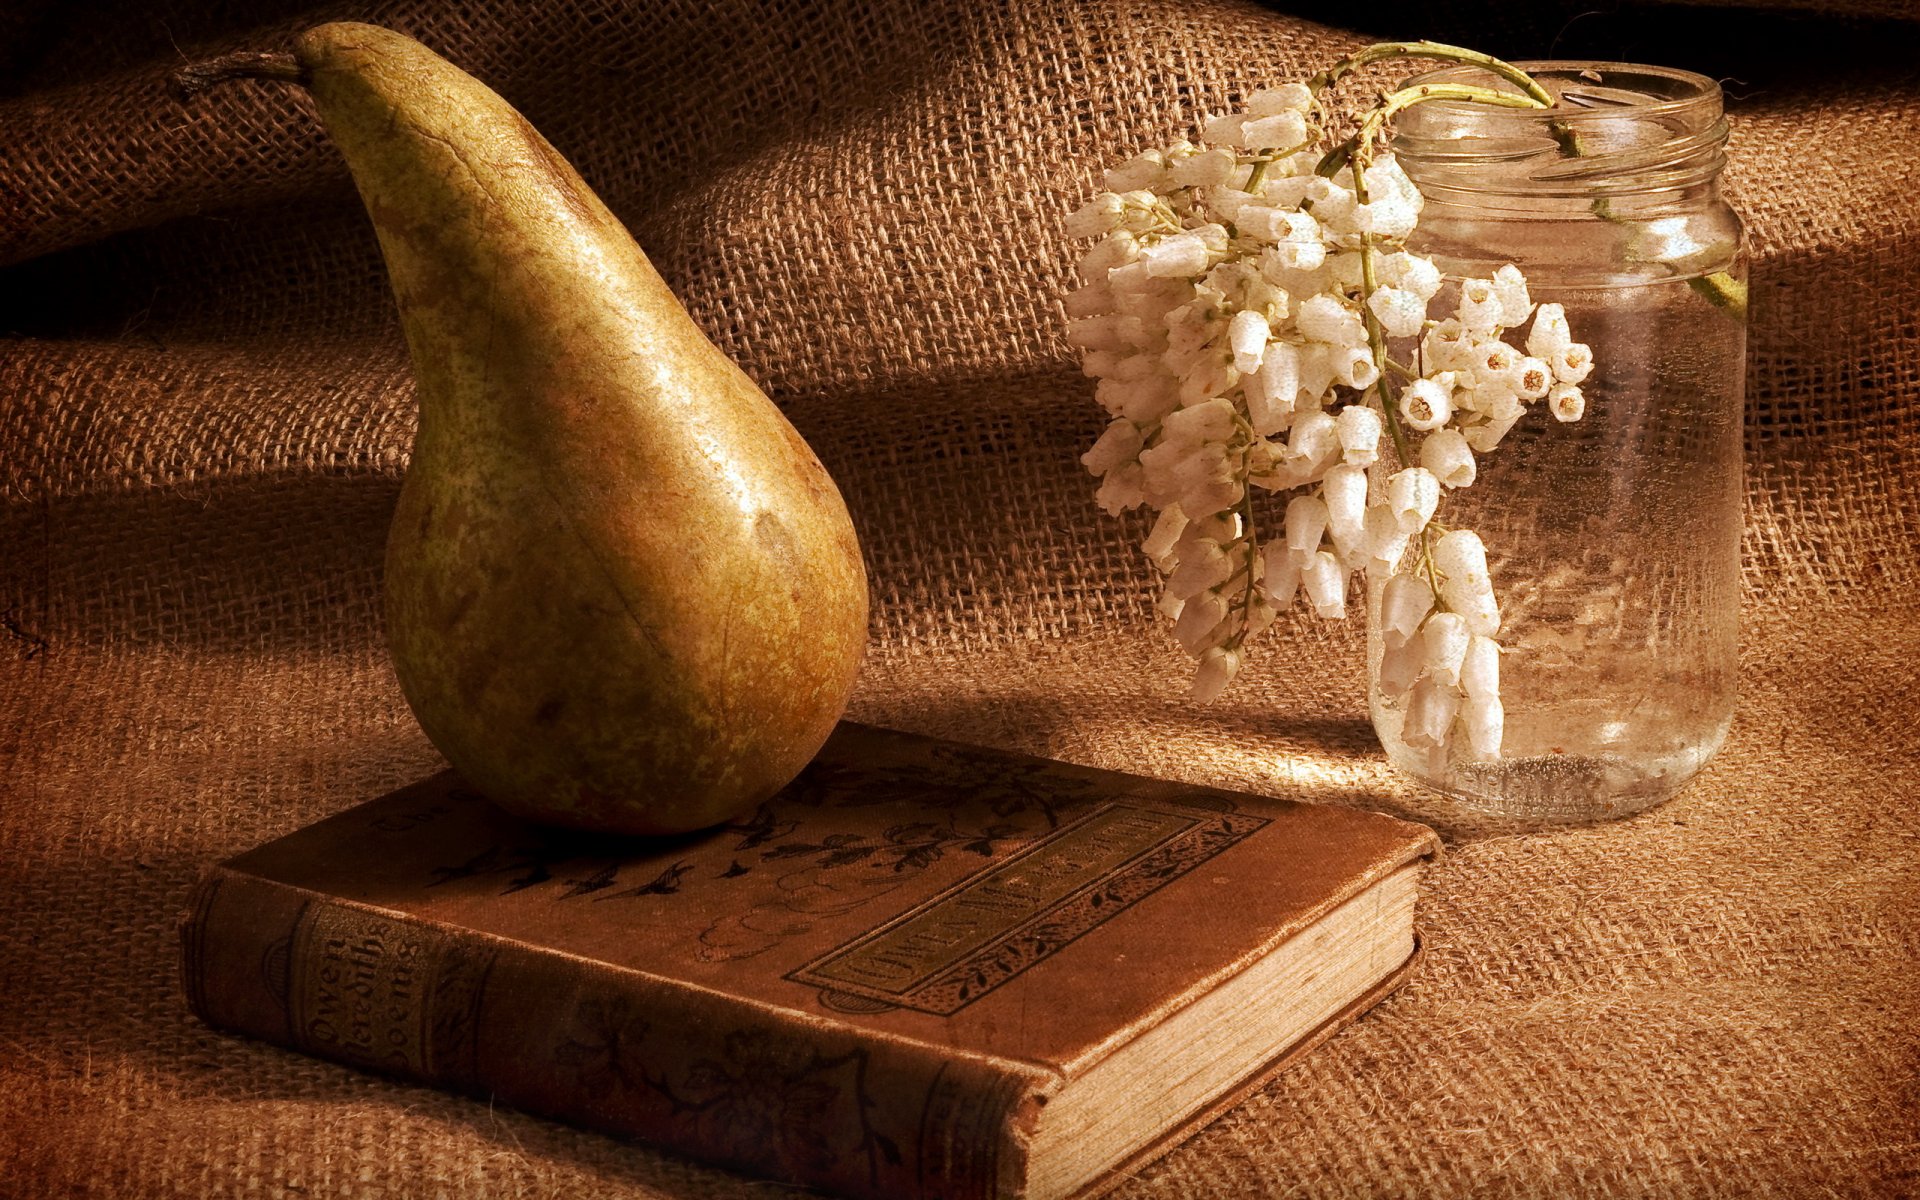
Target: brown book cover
(924, 969)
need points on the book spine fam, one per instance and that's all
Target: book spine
(764, 1090)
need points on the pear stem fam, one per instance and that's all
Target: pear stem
(189, 81)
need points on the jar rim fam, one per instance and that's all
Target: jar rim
(1691, 89)
(1646, 129)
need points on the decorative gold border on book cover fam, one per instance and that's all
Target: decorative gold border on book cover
(948, 951)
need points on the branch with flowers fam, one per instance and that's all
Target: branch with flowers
(1240, 311)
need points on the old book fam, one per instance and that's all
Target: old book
(923, 970)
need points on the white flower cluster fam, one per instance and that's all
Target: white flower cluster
(1238, 312)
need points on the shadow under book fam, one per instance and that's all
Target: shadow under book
(924, 969)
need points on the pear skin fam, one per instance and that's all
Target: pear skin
(622, 593)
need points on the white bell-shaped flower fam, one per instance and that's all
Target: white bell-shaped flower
(1400, 665)
(1486, 437)
(1461, 557)
(1096, 333)
(1270, 393)
(1573, 364)
(1229, 203)
(1089, 300)
(1220, 527)
(1480, 306)
(1316, 372)
(1247, 333)
(1495, 367)
(1276, 131)
(1209, 421)
(1532, 378)
(1299, 254)
(1383, 541)
(1206, 566)
(1400, 312)
(1405, 601)
(1191, 330)
(1510, 286)
(1143, 171)
(1272, 224)
(1566, 402)
(1202, 623)
(1326, 583)
(1280, 573)
(1180, 254)
(1206, 169)
(1154, 300)
(1446, 453)
(1390, 217)
(1096, 217)
(1288, 97)
(1409, 272)
(1264, 457)
(1306, 523)
(1413, 494)
(1485, 720)
(1327, 319)
(1345, 490)
(1314, 436)
(1216, 494)
(1171, 467)
(1480, 669)
(1120, 443)
(1164, 535)
(1211, 376)
(1431, 708)
(1109, 254)
(1460, 554)
(1425, 405)
(1443, 646)
(1122, 489)
(1332, 204)
(1550, 333)
(1447, 347)
(1217, 668)
(1354, 367)
(1225, 129)
(1297, 471)
(1145, 400)
(1170, 607)
(1386, 177)
(1358, 428)
(1283, 190)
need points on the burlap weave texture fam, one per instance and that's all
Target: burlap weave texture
(205, 410)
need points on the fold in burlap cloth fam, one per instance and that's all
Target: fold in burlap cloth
(205, 410)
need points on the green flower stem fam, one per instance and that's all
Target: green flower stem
(1247, 535)
(1719, 289)
(1393, 103)
(1440, 51)
(1724, 292)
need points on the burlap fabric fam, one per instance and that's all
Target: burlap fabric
(207, 410)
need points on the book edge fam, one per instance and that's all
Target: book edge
(1180, 1132)
(1423, 844)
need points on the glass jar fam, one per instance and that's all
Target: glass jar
(1614, 541)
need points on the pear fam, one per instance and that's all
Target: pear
(622, 594)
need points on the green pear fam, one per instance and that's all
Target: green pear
(622, 593)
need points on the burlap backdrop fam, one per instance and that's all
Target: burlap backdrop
(207, 410)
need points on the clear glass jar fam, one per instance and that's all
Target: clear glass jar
(1614, 541)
